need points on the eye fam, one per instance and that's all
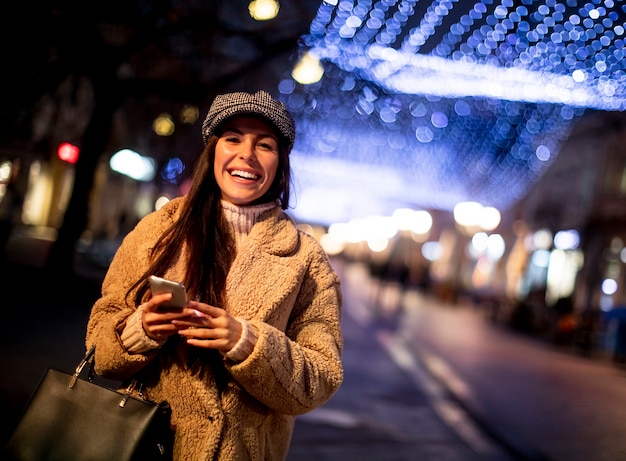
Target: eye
(231, 138)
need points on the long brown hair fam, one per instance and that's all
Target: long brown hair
(210, 246)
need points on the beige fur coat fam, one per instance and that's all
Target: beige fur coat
(282, 283)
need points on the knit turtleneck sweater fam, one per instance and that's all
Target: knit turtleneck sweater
(242, 218)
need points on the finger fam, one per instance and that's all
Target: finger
(158, 316)
(216, 344)
(158, 325)
(161, 331)
(205, 333)
(207, 309)
(206, 338)
(198, 322)
(153, 304)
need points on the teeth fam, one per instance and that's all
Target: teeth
(244, 174)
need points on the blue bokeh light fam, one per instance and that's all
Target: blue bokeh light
(172, 170)
(448, 100)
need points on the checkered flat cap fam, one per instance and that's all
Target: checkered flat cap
(261, 103)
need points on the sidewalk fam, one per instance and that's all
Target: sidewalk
(388, 408)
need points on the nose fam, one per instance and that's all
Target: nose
(247, 150)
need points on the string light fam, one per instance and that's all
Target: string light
(456, 100)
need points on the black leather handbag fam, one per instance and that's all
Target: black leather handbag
(70, 419)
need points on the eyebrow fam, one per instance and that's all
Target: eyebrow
(269, 134)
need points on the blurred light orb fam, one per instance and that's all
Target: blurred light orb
(489, 218)
(332, 245)
(432, 251)
(422, 222)
(542, 239)
(160, 202)
(68, 152)
(382, 225)
(129, 163)
(163, 125)
(5, 171)
(616, 245)
(606, 303)
(467, 214)
(263, 10)
(543, 153)
(609, 287)
(308, 70)
(480, 241)
(356, 230)
(338, 232)
(172, 169)
(495, 247)
(417, 221)
(377, 243)
(189, 114)
(567, 240)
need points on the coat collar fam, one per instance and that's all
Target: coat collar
(275, 233)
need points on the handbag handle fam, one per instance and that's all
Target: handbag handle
(89, 359)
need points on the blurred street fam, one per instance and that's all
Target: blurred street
(461, 161)
(423, 380)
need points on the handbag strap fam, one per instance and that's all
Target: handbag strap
(88, 359)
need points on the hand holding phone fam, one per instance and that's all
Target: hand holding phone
(160, 285)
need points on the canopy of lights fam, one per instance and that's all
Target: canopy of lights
(429, 103)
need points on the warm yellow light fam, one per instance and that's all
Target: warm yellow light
(472, 217)
(308, 70)
(417, 221)
(331, 245)
(163, 125)
(189, 114)
(467, 214)
(5, 171)
(263, 10)
(490, 218)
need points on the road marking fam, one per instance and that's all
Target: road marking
(331, 417)
(451, 413)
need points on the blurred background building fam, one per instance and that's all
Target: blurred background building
(473, 149)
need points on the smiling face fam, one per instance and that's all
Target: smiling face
(246, 159)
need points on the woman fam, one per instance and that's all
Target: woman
(260, 340)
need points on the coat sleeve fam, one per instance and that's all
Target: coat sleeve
(110, 312)
(295, 371)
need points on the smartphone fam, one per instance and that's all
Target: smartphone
(160, 285)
